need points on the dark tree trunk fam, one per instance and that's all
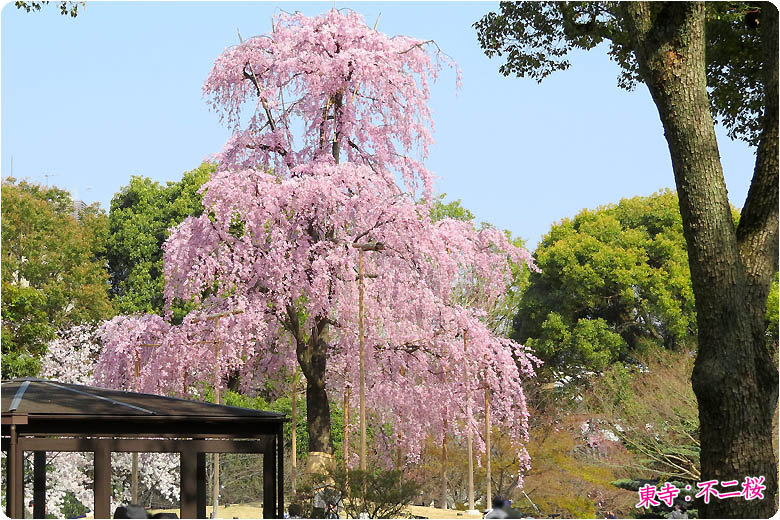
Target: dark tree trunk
(734, 379)
(312, 357)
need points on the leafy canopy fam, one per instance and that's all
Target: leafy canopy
(53, 272)
(536, 37)
(141, 216)
(611, 279)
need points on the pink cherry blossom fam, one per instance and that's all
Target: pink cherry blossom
(326, 115)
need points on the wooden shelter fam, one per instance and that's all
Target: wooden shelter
(40, 416)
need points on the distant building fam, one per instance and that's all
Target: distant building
(78, 207)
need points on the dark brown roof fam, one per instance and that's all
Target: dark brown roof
(54, 398)
(64, 407)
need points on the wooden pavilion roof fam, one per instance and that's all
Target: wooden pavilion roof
(39, 415)
(45, 406)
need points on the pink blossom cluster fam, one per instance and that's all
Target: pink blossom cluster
(339, 80)
(268, 244)
(276, 243)
(71, 358)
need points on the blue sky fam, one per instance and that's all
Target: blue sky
(116, 92)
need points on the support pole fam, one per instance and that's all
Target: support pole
(15, 481)
(134, 479)
(280, 473)
(444, 468)
(362, 332)
(372, 246)
(215, 491)
(346, 436)
(200, 485)
(489, 497)
(468, 426)
(39, 484)
(269, 481)
(134, 467)
(102, 481)
(294, 425)
(188, 484)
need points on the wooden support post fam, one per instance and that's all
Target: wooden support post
(134, 479)
(489, 497)
(188, 484)
(280, 472)
(39, 484)
(15, 482)
(346, 428)
(362, 332)
(444, 469)
(375, 246)
(200, 485)
(269, 482)
(294, 426)
(8, 473)
(468, 431)
(215, 486)
(102, 481)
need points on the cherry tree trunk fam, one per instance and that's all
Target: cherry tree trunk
(734, 378)
(312, 356)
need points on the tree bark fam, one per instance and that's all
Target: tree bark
(734, 379)
(312, 357)
(313, 364)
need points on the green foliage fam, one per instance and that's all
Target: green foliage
(140, 219)
(53, 272)
(734, 64)
(66, 8)
(536, 37)
(71, 507)
(452, 209)
(771, 317)
(613, 280)
(590, 343)
(378, 493)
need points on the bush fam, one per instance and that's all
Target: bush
(378, 493)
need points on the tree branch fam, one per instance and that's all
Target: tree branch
(757, 234)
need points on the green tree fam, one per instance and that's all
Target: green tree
(140, 219)
(53, 272)
(611, 280)
(66, 8)
(452, 209)
(665, 46)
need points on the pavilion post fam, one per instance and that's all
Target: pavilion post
(39, 484)
(15, 481)
(269, 480)
(188, 484)
(280, 472)
(102, 480)
(200, 476)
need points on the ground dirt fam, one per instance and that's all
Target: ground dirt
(255, 510)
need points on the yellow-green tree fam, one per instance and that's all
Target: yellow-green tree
(53, 271)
